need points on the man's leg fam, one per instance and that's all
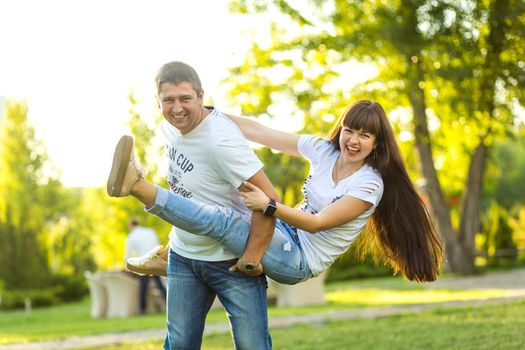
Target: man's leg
(188, 302)
(244, 299)
(144, 281)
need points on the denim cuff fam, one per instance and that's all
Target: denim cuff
(160, 201)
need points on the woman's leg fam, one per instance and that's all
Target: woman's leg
(144, 191)
(283, 260)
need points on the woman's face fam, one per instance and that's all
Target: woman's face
(356, 145)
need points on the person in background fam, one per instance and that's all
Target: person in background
(139, 241)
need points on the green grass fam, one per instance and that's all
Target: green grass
(493, 327)
(74, 320)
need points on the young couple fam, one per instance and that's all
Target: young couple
(223, 208)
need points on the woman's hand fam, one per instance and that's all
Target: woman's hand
(254, 198)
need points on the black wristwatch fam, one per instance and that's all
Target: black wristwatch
(248, 266)
(270, 208)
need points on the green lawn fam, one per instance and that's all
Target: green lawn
(74, 320)
(495, 327)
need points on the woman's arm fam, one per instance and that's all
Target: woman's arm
(256, 132)
(336, 214)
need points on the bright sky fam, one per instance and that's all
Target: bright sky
(75, 62)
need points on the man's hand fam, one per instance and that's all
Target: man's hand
(259, 270)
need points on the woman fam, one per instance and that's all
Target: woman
(357, 177)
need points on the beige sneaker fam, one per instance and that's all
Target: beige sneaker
(149, 264)
(126, 169)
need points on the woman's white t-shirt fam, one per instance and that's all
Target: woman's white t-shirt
(319, 191)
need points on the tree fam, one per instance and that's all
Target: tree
(455, 67)
(498, 246)
(24, 202)
(506, 173)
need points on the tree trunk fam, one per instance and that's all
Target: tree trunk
(470, 218)
(457, 261)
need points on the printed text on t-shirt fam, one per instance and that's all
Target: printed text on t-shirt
(180, 159)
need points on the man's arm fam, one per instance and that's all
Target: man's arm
(261, 229)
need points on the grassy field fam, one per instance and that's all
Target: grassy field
(74, 320)
(495, 327)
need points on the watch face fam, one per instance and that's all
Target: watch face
(270, 208)
(249, 266)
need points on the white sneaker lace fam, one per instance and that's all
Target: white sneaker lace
(138, 167)
(149, 256)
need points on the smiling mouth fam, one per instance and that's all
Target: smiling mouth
(352, 150)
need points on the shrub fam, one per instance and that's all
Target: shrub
(70, 287)
(16, 299)
(64, 288)
(348, 267)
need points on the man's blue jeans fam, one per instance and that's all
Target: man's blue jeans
(283, 260)
(192, 286)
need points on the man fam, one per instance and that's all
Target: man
(208, 159)
(140, 241)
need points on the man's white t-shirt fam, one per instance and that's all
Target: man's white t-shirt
(319, 190)
(208, 164)
(140, 241)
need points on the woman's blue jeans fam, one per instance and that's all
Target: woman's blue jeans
(283, 261)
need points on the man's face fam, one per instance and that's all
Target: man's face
(181, 106)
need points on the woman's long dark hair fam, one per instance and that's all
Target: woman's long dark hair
(401, 223)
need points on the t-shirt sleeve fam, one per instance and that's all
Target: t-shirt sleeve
(234, 160)
(308, 146)
(368, 188)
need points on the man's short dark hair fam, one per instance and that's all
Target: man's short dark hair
(178, 72)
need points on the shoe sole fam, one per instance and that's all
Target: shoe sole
(146, 272)
(120, 165)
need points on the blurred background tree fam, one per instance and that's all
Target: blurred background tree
(50, 234)
(28, 198)
(450, 73)
(498, 244)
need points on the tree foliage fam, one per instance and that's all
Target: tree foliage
(451, 73)
(498, 244)
(505, 176)
(47, 229)
(26, 201)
